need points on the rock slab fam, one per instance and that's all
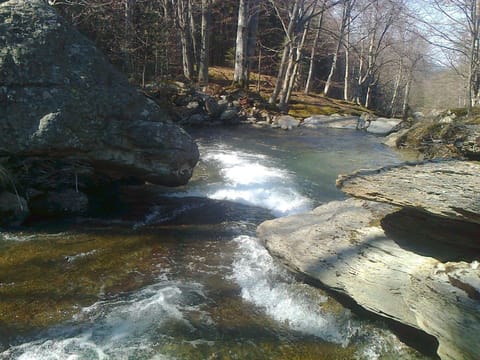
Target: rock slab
(342, 245)
(445, 188)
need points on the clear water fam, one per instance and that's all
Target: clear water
(205, 287)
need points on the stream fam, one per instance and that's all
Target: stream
(177, 273)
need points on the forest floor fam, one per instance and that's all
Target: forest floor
(301, 105)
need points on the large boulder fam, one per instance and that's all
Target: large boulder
(444, 188)
(61, 99)
(354, 247)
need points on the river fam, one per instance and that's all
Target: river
(178, 273)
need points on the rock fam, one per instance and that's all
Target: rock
(196, 120)
(342, 245)
(443, 188)
(286, 122)
(332, 121)
(62, 202)
(469, 146)
(230, 115)
(212, 107)
(62, 99)
(393, 140)
(383, 126)
(13, 209)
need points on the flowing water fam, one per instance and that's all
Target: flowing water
(178, 273)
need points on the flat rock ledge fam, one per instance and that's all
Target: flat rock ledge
(343, 245)
(445, 188)
(378, 126)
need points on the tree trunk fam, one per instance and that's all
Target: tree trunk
(193, 37)
(346, 86)
(406, 96)
(398, 81)
(313, 52)
(239, 75)
(128, 26)
(286, 50)
(205, 43)
(293, 76)
(252, 36)
(333, 68)
(286, 79)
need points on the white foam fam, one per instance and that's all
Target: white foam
(118, 329)
(270, 287)
(251, 179)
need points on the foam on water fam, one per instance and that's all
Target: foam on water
(127, 328)
(252, 179)
(270, 287)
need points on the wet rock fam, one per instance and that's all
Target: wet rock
(13, 209)
(62, 99)
(343, 245)
(443, 188)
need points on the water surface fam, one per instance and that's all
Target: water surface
(179, 274)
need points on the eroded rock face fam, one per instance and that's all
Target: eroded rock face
(60, 98)
(343, 245)
(446, 188)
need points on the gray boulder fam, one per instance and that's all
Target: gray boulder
(345, 246)
(60, 98)
(443, 188)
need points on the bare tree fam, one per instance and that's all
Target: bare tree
(205, 42)
(454, 29)
(378, 20)
(346, 17)
(295, 18)
(313, 51)
(246, 40)
(183, 23)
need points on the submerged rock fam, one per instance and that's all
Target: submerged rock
(62, 99)
(445, 188)
(343, 245)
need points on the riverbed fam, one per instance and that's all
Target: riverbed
(177, 273)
